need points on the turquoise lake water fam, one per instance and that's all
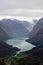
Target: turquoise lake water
(20, 43)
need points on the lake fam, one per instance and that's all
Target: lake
(20, 43)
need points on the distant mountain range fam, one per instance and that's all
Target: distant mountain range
(28, 25)
(13, 28)
(36, 35)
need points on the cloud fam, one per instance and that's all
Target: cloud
(22, 12)
(12, 4)
(21, 8)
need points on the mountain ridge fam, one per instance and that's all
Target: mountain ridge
(36, 35)
(13, 27)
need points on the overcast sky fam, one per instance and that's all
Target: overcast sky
(21, 8)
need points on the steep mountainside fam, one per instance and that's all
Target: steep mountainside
(14, 28)
(3, 34)
(31, 57)
(7, 50)
(36, 35)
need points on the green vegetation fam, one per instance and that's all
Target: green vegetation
(15, 59)
(32, 57)
(22, 59)
(21, 55)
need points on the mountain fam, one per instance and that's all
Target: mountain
(7, 50)
(35, 21)
(3, 35)
(36, 51)
(36, 35)
(14, 28)
(31, 57)
(28, 25)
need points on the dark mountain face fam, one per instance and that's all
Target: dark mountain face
(36, 51)
(37, 39)
(7, 50)
(36, 35)
(3, 35)
(32, 57)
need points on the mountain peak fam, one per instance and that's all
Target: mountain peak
(40, 20)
